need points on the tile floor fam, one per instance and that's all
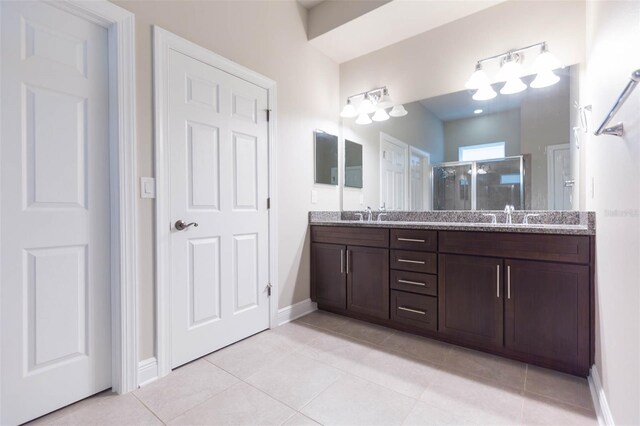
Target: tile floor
(330, 370)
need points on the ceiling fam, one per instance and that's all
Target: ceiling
(390, 23)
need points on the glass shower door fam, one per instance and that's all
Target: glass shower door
(498, 183)
(452, 186)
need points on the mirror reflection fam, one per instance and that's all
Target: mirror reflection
(352, 164)
(452, 152)
(326, 158)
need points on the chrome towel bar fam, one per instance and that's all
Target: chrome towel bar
(618, 129)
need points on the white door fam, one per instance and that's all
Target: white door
(420, 180)
(54, 218)
(218, 139)
(393, 173)
(560, 183)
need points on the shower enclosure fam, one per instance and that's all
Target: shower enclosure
(480, 185)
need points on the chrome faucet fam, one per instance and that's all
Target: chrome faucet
(369, 214)
(508, 210)
(494, 220)
(380, 215)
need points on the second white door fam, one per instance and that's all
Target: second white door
(393, 172)
(218, 136)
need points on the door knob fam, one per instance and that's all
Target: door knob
(181, 225)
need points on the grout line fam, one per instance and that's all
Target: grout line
(149, 408)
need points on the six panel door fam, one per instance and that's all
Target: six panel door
(218, 138)
(328, 278)
(368, 281)
(470, 298)
(55, 228)
(547, 312)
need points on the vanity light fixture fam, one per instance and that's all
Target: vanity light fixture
(375, 102)
(511, 72)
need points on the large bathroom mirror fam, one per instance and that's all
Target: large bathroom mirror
(452, 152)
(326, 158)
(352, 164)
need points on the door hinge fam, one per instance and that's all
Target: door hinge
(268, 203)
(269, 286)
(268, 115)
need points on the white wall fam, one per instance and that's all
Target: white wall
(270, 38)
(614, 163)
(419, 128)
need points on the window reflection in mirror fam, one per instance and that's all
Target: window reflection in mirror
(352, 164)
(326, 158)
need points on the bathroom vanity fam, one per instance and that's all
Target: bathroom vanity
(523, 292)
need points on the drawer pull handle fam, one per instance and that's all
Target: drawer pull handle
(412, 283)
(411, 240)
(498, 281)
(415, 311)
(419, 262)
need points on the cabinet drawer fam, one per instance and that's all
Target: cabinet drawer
(414, 239)
(414, 282)
(414, 261)
(558, 248)
(368, 237)
(414, 309)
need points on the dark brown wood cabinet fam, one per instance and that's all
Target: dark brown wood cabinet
(368, 281)
(328, 277)
(524, 296)
(547, 312)
(471, 298)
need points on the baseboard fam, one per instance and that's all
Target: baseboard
(599, 399)
(296, 310)
(147, 371)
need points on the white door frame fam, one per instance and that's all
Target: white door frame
(425, 175)
(122, 128)
(405, 145)
(551, 149)
(163, 41)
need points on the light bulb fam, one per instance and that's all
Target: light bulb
(484, 93)
(385, 100)
(478, 79)
(380, 115)
(513, 85)
(398, 111)
(349, 111)
(366, 106)
(545, 61)
(544, 79)
(363, 119)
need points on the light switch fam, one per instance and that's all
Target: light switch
(314, 196)
(147, 187)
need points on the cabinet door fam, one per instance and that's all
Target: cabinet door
(470, 298)
(547, 312)
(368, 281)
(328, 275)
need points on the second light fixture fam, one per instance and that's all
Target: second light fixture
(375, 102)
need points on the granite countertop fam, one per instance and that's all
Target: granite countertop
(548, 222)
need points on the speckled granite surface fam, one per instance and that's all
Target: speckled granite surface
(548, 222)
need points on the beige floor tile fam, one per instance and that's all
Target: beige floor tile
(295, 379)
(300, 420)
(184, 388)
(419, 347)
(538, 410)
(103, 409)
(241, 404)
(396, 371)
(427, 415)
(323, 319)
(364, 331)
(499, 369)
(337, 350)
(247, 357)
(353, 401)
(564, 387)
(475, 399)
